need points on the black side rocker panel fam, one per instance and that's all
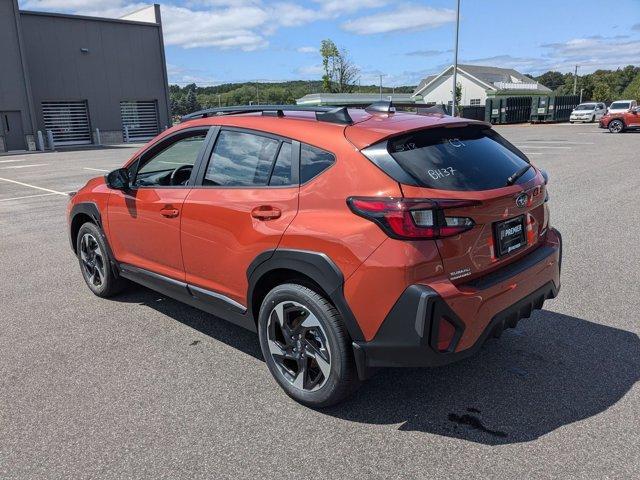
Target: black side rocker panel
(317, 266)
(210, 302)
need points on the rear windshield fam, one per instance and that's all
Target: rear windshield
(464, 158)
(620, 105)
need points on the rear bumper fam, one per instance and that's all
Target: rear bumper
(479, 309)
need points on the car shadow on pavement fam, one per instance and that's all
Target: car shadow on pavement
(551, 371)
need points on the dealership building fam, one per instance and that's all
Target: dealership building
(80, 80)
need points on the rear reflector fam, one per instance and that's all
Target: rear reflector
(412, 218)
(446, 331)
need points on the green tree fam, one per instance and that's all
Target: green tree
(339, 71)
(632, 91)
(602, 92)
(191, 102)
(551, 79)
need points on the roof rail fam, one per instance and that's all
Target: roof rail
(338, 115)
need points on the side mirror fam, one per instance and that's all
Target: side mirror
(118, 179)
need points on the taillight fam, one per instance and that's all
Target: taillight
(412, 218)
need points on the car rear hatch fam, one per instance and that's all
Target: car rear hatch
(484, 201)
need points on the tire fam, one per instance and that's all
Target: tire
(306, 346)
(593, 119)
(616, 126)
(95, 262)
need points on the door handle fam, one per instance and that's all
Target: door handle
(266, 212)
(170, 212)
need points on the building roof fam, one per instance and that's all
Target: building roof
(495, 78)
(353, 98)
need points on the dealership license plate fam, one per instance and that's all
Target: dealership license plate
(510, 235)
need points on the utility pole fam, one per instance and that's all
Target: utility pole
(381, 86)
(219, 101)
(455, 61)
(257, 98)
(575, 80)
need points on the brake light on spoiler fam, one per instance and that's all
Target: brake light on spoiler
(413, 218)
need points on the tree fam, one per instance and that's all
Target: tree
(339, 71)
(632, 92)
(191, 102)
(602, 92)
(551, 79)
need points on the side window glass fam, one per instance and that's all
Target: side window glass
(157, 169)
(313, 161)
(240, 159)
(281, 174)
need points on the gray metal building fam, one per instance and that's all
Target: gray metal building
(71, 76)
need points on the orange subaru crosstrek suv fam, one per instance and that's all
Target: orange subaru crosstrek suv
(349, 239)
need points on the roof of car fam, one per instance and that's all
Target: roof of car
(365, 130)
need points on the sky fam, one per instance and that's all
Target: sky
(218, 41)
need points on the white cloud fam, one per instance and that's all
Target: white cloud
(337, 7)
(406, 18)
(223, 28)
(307, 49)
(592, 53)
(310, 71)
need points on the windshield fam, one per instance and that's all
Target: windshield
(463, 158)
(586, 106)
(620, 105)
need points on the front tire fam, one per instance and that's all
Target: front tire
(616, 126)
(306, 346)
(95, 262)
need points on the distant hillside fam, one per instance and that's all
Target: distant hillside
(192, 97)
(601, 85)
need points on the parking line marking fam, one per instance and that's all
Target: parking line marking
(24, 166)
(95, 169)
(562, 142)
(33, 186)
(26, 196)
(14, 160)
(543, 146)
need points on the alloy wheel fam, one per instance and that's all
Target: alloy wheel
(615, 126)
(298, 346)
(93, 262)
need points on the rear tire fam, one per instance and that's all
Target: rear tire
(306, 346)
(95, 262)
(616, 126)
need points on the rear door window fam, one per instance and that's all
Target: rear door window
(463, 158)
(241, 159)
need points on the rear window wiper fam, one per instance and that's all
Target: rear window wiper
(514, 178)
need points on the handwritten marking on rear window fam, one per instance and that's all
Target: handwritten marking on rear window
(455, 142)
(404, 147)
(439, 173)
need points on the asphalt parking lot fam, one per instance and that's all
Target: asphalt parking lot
(140, 386)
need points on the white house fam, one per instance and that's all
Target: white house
(477, 83)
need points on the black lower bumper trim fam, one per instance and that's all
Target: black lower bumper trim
(400, 343)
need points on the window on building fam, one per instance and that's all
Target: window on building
(474, 101)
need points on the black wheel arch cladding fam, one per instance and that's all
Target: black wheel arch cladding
(315, 265)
